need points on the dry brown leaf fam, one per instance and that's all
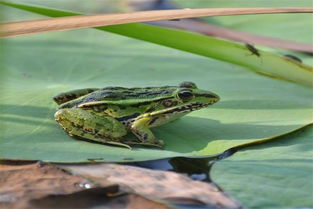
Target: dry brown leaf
(39, 185)
(163, 185)
(87, 21)
(34, 181)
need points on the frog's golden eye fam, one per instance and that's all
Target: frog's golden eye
(185, 95)
(188, 84)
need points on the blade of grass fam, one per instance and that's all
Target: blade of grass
(263, 62)
(86, 21)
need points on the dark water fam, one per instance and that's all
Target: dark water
(197, 168)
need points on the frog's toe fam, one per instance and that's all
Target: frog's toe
(159, 143)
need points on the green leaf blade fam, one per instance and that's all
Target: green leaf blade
(267, 64)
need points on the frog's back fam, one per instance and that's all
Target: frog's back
(124, 96)
(113, 94)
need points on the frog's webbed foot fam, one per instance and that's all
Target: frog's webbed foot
(141, 129)
(131, 141)
(70, 95)
(87, 125)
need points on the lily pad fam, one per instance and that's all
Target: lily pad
(274, 175)
(37, 67)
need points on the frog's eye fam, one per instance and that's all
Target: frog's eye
(188, 84)
(185, 95)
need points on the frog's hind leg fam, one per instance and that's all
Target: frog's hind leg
(70, 95)
(77, 132)
(88, 125)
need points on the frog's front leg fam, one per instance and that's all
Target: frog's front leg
(70, 95)
(140, 127)
(88, 125)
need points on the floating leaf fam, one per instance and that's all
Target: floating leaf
(275, 175)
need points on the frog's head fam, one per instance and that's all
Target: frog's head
(188, 97)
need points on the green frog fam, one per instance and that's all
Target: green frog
(107, 114)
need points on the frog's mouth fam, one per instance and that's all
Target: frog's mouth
(190, 107)
(199, 105)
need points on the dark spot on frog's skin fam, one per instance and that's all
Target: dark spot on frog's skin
(152, 121)
(89, 130)
(126, 92)
(252, 49)
(178, 109)
(163, 92)
(150, 109)
(128, 158)
(64, 98)
(76, 125)
(145, 137)
(125, 118)
(140, 104)
(147, 94)
(100, 108)
(90, 90)
(293, 57)
(71, 96)
(167, 103)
